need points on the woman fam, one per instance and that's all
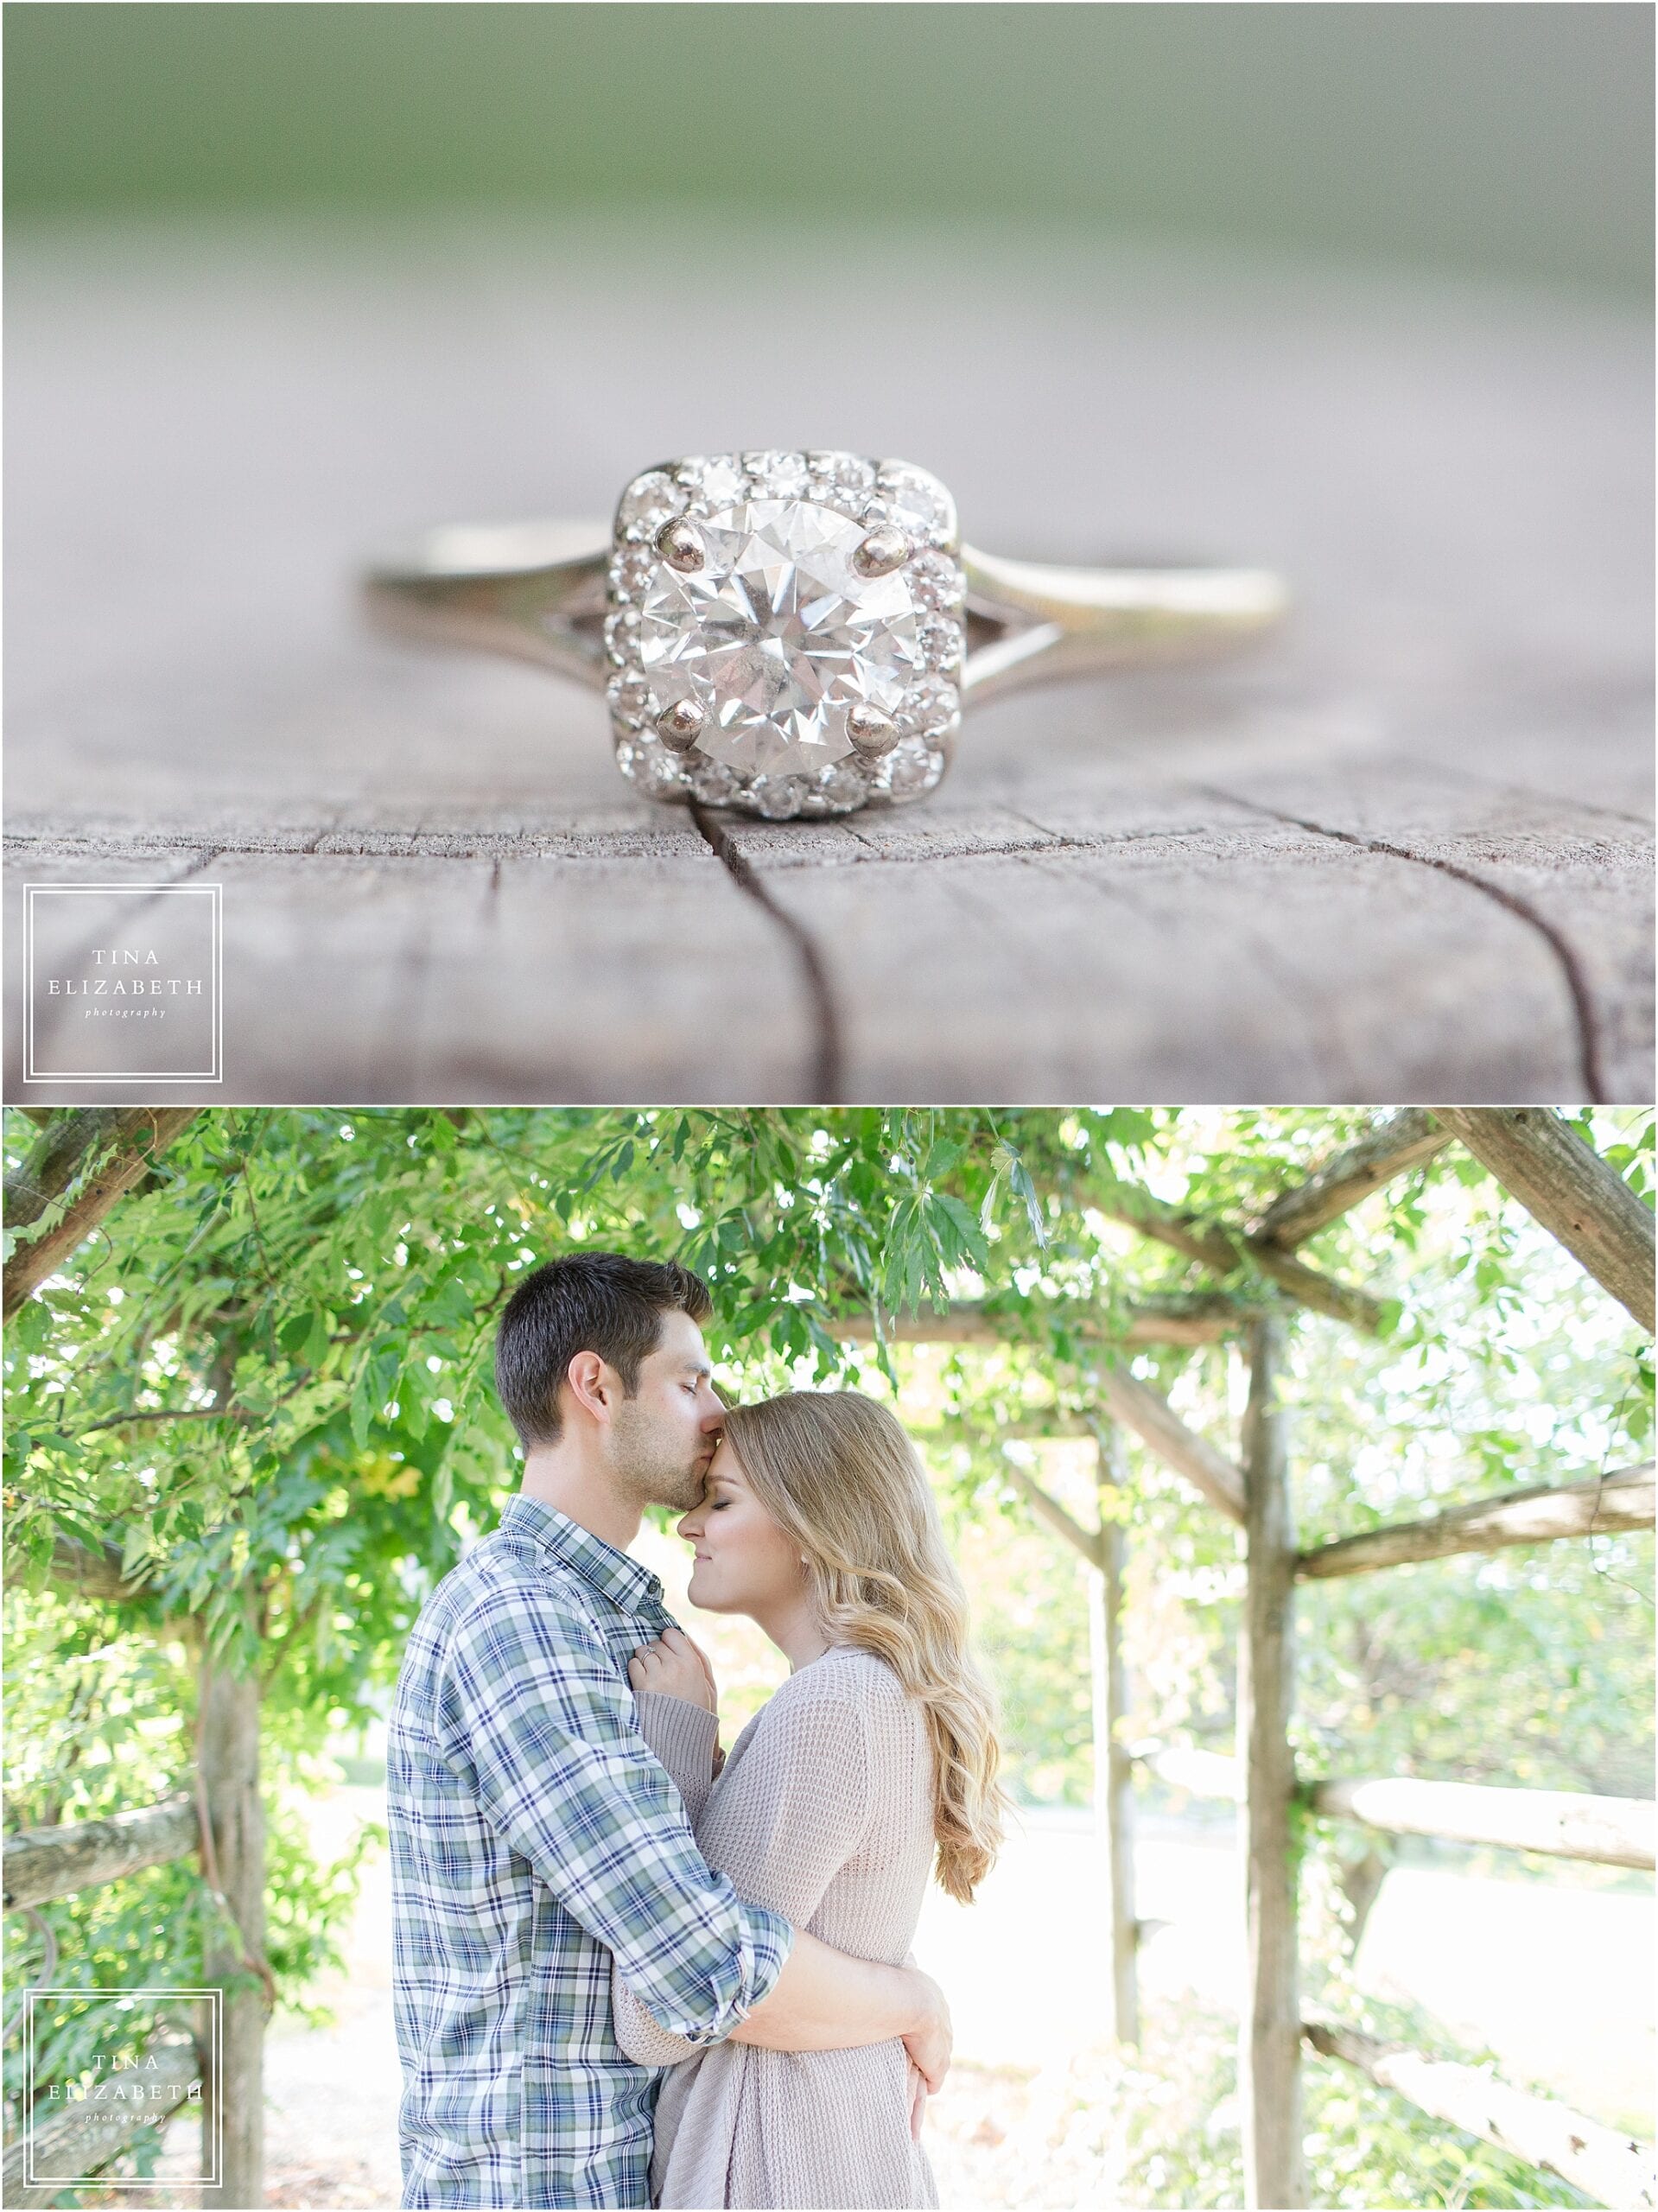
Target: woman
(875, 1756)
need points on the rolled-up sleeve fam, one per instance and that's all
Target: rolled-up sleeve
(534, 1719)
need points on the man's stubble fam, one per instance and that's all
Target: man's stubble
(653, 1462)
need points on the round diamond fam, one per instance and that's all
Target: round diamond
(845, 470)
(932, 704)
(776, 475)
(713, 480)
(941, 641)
(913, 767)
(777, 637)
(711, 781)
(630, 572)
(937, 580)
(778, 797)
(621, 629)
(655, 770)
(631, 702)
(650, 500)
(918, 503)
(843, 785)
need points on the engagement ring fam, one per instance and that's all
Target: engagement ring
(796, 633)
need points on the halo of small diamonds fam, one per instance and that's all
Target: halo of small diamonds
(898, 641)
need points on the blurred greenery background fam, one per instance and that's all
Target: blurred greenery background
(1510, 140)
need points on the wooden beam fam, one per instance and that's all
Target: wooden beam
(1204, 1774)
(55, 1862)
(1182, 1322)
(1189, 1234)
(1151, 1418)
(1540, 1159)
(93, 1574)
(74, 1565)
(1605, 1502)
(102, 1154)
(1201, 1318)
(1225, 1252)
(1161, 1430)
(1561, 1823)
(1049, 1510)
(1341, 1302)
(1610, 2167)
(1269, 2055)
(1401, 1142)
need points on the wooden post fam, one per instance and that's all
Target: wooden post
(229, 1767)
(1113, 1796)
(1269, 2057)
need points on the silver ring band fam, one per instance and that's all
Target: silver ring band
(537, 591)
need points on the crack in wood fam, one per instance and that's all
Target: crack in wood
(1577, 983)
(828, 1062)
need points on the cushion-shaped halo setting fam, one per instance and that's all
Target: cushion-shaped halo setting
(786, 633)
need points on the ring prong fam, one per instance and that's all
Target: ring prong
(681, 725)
(871, 731)
(680, 547)
(883, 550)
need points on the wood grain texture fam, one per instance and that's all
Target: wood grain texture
(1609, 2167)
(1575, 1194)
(45, 1863)
(1400, 852)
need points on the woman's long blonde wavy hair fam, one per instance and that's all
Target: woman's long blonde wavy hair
(838, 1474)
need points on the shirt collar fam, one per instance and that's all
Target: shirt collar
(623, 1580)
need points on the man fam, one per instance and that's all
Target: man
(533, 1834)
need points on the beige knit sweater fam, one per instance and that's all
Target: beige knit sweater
(823, 1811)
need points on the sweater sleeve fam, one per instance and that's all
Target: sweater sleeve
(683, 1737)
(780, 1824)
(530, 1712)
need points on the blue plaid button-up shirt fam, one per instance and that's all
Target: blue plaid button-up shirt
(532, 1836)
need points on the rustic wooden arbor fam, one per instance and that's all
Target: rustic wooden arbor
(1541, 1161)
(1575, 1195)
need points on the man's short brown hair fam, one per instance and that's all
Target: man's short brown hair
(591, 1302)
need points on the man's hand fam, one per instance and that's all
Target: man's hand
(673, 1667)
(930, 2041)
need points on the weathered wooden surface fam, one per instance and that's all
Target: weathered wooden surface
(1609, 2167)
(1404, 1140)
(1573, 1192)
(1401, 853)
(1561, 1823)
(55, 1862)
(1538, 1515)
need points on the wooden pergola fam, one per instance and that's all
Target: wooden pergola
(1543, 1163)
(1575, 1195)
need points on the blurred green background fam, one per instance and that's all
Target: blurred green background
(1513, 140)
